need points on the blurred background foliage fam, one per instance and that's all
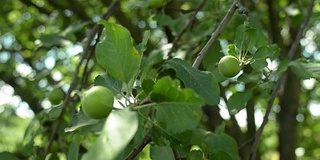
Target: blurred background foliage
(41, 42)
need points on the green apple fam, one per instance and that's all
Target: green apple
(229, 66)
(156, 3)
(97, 102)
(56, 96)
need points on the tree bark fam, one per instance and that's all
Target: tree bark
(289, 103)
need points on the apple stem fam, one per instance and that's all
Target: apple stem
(143, 106)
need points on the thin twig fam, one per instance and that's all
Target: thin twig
(249, 141)
(139, 147)
(177, 38)
(183, 11)
(40, 9)
(296, 42)
(291, 53)
(96, 29)
(215, 34)
(176, 154)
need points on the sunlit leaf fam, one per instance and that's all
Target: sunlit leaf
(232, 50)
(80, 120)
(119, 129)
(116, 53)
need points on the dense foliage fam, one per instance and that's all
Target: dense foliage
(160, 59)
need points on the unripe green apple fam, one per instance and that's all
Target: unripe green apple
(56, 96)
(156, 3)
(97, 102)
(229, 66)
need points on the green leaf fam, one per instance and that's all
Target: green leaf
(249, 77)
(143, 45)
(212, 143)
(161, 153)
(282, 67)
(53, 112)
(33, 129)
(109, 82)
(238, 101)
(119, 129)
(145, 153)
(232, 50)
(74, 147)
(168, 90)
(259, 65)
(305, 70)
(262, 53)
(177, 117)
(203, 83)
(198, 136)
(80, 120)
(160, 136)
(220, 128)
(116, 53)
(177, 109)
(195, 155)
(163, 20)
(8, 155)
(213, 56)
(220, 155)
(246, 37)
(147, 85)
(260, 56)
(150, 64)
(220, 142)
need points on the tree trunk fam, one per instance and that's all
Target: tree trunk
(289, 103)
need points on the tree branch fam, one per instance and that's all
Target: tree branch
(290, 55)
(40, 9)
(177, 38)
(97, 29)
(215, 35)
(273, 17)
(76, 8)
(139, 147)
(125, 21)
